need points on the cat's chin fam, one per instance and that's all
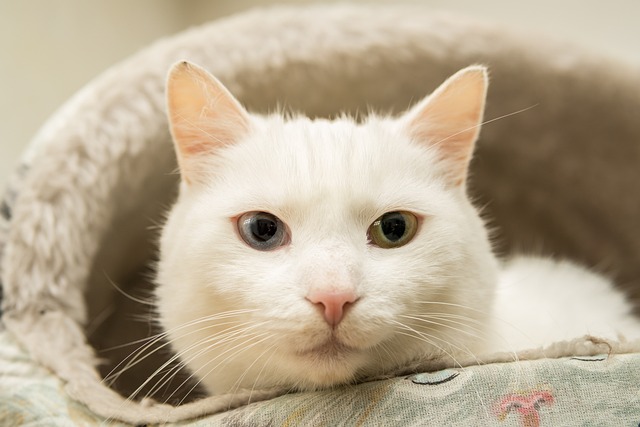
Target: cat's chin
(325, 364)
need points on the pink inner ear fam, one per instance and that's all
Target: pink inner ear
(454, 147)
(203, 116)
(205, 135)
(449, 120)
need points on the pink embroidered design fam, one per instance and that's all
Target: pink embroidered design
(527, 406)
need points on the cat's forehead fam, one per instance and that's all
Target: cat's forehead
(341, 164)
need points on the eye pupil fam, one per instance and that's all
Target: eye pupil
(393, 226)
(263, 229)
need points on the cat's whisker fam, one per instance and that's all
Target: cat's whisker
(490, 314)
(428, 323)
(128, 361)
(481, 335)
(426, 338)
(171, 368)
(130, 343)
(484, 123)
(146, 318)
(137, 357)
(420, 335)
(457, 317)
(383, 346)
(431, 321)
(430, 337)
(486, 336)
(451, 304)
(238, 382)
(148, 302)
(460, 319)
(228, 336)
(239, 348)
(168, 375)
(394, 358)
(209, 318)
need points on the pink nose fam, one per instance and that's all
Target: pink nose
(333, 304)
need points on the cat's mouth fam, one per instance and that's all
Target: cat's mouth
(331, 348)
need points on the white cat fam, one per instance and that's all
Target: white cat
(310, 253)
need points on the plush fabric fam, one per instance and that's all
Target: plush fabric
(77, 221)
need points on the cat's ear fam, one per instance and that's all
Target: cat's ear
(449, 120)
(203, 116)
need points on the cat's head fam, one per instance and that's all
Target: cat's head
(307, 253)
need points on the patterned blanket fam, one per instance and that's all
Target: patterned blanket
(596, 390)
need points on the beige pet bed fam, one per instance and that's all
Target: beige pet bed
(79, 218)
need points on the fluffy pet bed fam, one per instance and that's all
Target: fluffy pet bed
(78, 219)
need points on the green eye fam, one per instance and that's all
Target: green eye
(393, 229)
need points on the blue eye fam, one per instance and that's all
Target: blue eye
(262, 231)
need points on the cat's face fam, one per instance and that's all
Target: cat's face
(308, 253)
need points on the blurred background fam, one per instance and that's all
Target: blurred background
(51, 48)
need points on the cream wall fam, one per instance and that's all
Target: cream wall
(50, 48)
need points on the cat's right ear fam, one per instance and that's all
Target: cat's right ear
(449, 120)
(203, 116)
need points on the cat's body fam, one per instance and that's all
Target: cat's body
(539, 301)
(307, 254)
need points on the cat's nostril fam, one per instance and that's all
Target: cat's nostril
(333, 304)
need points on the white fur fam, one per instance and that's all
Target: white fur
(540, 301)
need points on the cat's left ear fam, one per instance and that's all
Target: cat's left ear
(449, 120)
